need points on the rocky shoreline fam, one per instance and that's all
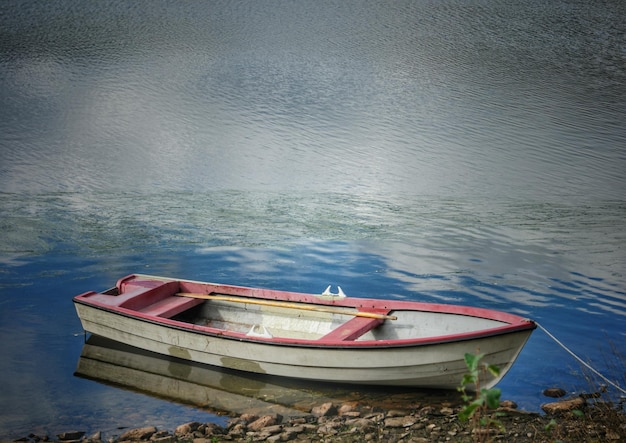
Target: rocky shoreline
(572, 420)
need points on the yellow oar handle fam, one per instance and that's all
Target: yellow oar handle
(288, 305)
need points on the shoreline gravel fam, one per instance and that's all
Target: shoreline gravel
(575, 419)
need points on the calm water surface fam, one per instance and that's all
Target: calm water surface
(458, 151)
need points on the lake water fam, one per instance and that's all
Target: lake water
(469, 152)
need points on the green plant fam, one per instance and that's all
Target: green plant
(550, 426)
(482, 400)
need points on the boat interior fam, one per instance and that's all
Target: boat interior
(270, 318)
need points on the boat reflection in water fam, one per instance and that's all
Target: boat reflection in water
(232, 392)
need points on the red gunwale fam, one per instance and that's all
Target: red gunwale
(515, 323)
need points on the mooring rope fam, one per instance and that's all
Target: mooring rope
(580, 360)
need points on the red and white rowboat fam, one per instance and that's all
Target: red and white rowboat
(326, 337)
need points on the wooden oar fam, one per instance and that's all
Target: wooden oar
(288, 305)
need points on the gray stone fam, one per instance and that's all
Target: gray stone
(138, 433)
(258, 436)
(71, 435)
(187, 428)
(508, 404)
(159, 434)
(396, 413)
(273, 429)
(262, 422)
(238, 430)
(399, 422)
(554, 392)
(324, 410)
(296, 429)
(360, 425)
(211, 429)
(560, 407)
(348, 408)
(249, 418)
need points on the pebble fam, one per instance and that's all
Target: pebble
(554, 392)
(562, 406)
(324, 410)
(263, 422)
(399, 422)
(71, 435)
(139, 433)
(186, 428)
(508, 404)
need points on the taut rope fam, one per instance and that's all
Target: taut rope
(580, 360)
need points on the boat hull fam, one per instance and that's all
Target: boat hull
(428, 364)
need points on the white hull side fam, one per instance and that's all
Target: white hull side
(432, 366)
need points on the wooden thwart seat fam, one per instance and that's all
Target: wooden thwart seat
(355, 327)
(170, 306)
